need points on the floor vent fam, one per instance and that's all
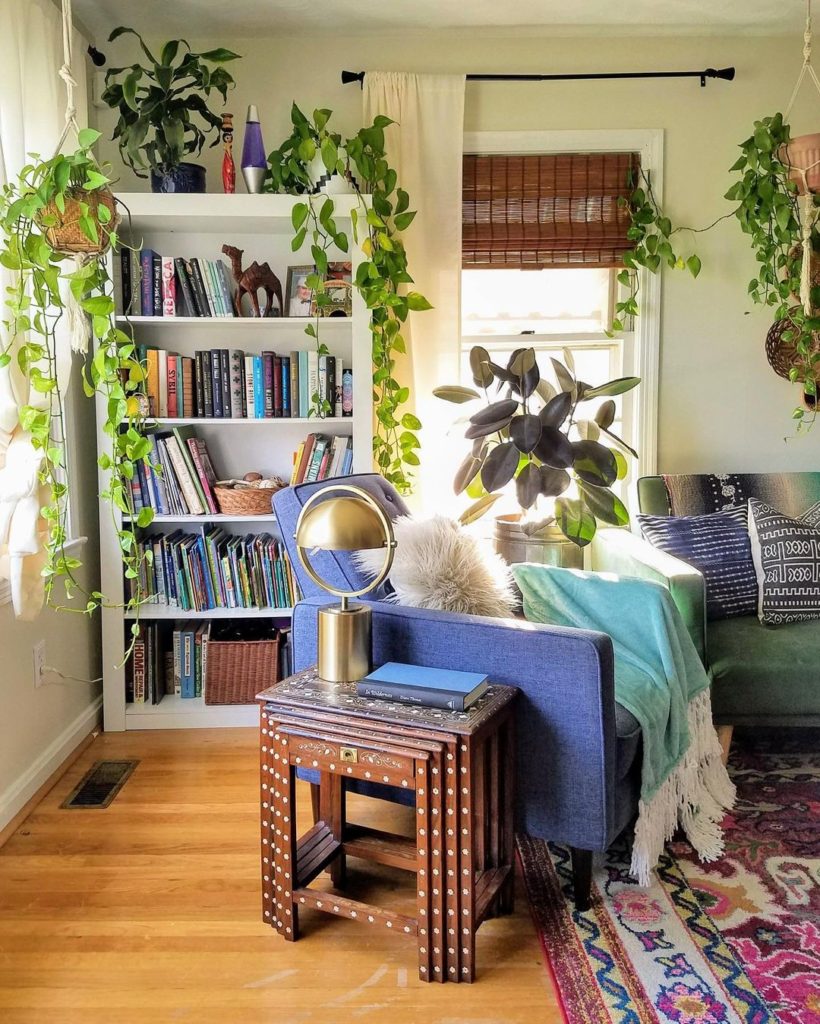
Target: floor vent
(100, 785)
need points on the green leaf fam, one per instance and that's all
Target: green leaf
(603, 504)
(220, 55)
(613, 387)
(129, 88)
(694, 265)
(575, 522)
(86, 137)
(456, 393)
(416, 301)
(299, 215)
(410, 422)
(478, 508)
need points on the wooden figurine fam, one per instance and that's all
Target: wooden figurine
(228, 166)
(250, 280)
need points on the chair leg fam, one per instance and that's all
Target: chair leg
(581, 877)
(724, 733)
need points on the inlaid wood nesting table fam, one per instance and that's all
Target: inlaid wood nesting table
(459, 765)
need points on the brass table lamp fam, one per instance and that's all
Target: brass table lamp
(350, 523)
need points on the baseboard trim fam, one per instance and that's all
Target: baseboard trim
(20, 798)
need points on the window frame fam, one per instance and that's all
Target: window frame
(645, 339)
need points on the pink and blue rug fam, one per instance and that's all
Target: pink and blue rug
(724, 943)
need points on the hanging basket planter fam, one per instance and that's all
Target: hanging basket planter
(64, 231)
(801, 156)
(782, 352)
(796, 257)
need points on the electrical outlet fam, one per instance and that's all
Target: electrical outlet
(39, 652)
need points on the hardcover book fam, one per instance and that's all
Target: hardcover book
(431, 687)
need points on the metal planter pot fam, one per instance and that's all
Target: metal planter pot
(549, 547)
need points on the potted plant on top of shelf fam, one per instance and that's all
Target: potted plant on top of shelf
(163, 114)
(531, 435)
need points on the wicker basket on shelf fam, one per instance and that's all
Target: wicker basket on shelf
(246, 497)
(236, 670)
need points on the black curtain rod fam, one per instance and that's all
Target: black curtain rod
(727, 74)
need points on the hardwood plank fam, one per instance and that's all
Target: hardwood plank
(149, 911)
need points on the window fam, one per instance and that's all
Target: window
(547, 201)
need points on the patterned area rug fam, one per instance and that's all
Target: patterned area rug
(735, 941)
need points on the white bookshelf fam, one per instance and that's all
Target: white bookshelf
(198, 225)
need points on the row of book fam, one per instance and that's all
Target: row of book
(231, 384)
(176, 663)
(214, 569)
(320, 457)
(178, 478)
(147, 284)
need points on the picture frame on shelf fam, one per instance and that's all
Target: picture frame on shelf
(339, 289)
(298, 296)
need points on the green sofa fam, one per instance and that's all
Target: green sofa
(761, 675)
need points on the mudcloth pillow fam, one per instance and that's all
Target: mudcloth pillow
(786, 555)
(717, 544)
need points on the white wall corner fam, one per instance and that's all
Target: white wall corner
(23, 788)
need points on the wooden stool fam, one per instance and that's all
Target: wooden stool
(460, 765)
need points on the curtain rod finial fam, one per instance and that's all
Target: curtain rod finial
(352, 76)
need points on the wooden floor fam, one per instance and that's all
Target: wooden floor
(149, 912)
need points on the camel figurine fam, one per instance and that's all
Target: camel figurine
(250, 280)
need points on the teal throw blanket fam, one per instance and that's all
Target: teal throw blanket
(660, 679)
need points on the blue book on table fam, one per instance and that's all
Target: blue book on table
(429, 687)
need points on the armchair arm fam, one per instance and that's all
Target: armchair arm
(626, 554)
(565, 711)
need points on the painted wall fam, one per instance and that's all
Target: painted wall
(721, 407)
(40, 727)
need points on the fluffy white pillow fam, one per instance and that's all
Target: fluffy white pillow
(438, 564)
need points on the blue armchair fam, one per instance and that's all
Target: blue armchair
(578, 751)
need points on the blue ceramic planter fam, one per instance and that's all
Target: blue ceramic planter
(183, 178)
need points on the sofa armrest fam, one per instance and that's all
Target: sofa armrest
(565, 711)
(626, 554)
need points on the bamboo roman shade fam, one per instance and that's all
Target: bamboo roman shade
(558, 210)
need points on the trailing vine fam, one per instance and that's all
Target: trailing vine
(650, 233)
(381, 277)
(48, 195)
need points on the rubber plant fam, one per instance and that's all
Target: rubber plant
(530, 432)
(163, 113)
(382, 276)
(69, 196)
(768, 211)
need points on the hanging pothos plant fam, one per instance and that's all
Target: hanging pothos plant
(381, 276)
(58, 222)
(651, 234)
(769, 211)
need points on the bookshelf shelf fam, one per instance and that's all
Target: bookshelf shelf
(162, 611)
(244, 323)
(197, 226)
(175, 712)
(227, 421)
(209, 518)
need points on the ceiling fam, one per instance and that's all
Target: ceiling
(245, 18)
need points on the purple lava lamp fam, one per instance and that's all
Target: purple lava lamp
(254, 163)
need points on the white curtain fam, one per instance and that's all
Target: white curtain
(425, 147)
(32, 115)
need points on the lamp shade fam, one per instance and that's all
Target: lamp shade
(341, 524)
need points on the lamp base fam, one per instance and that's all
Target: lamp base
(344, 643)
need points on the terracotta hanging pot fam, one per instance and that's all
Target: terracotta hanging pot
(801, 156)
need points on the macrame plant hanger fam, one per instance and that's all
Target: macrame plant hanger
(806, 201)
(78, 325)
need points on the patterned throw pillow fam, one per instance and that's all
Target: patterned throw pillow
(786, 555)
(717, 544)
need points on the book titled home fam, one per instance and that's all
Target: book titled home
(429, 687)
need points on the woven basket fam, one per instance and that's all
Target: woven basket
(67, 237)
(783, 355)
(796, 254)
(245, 501)
(236, 670)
